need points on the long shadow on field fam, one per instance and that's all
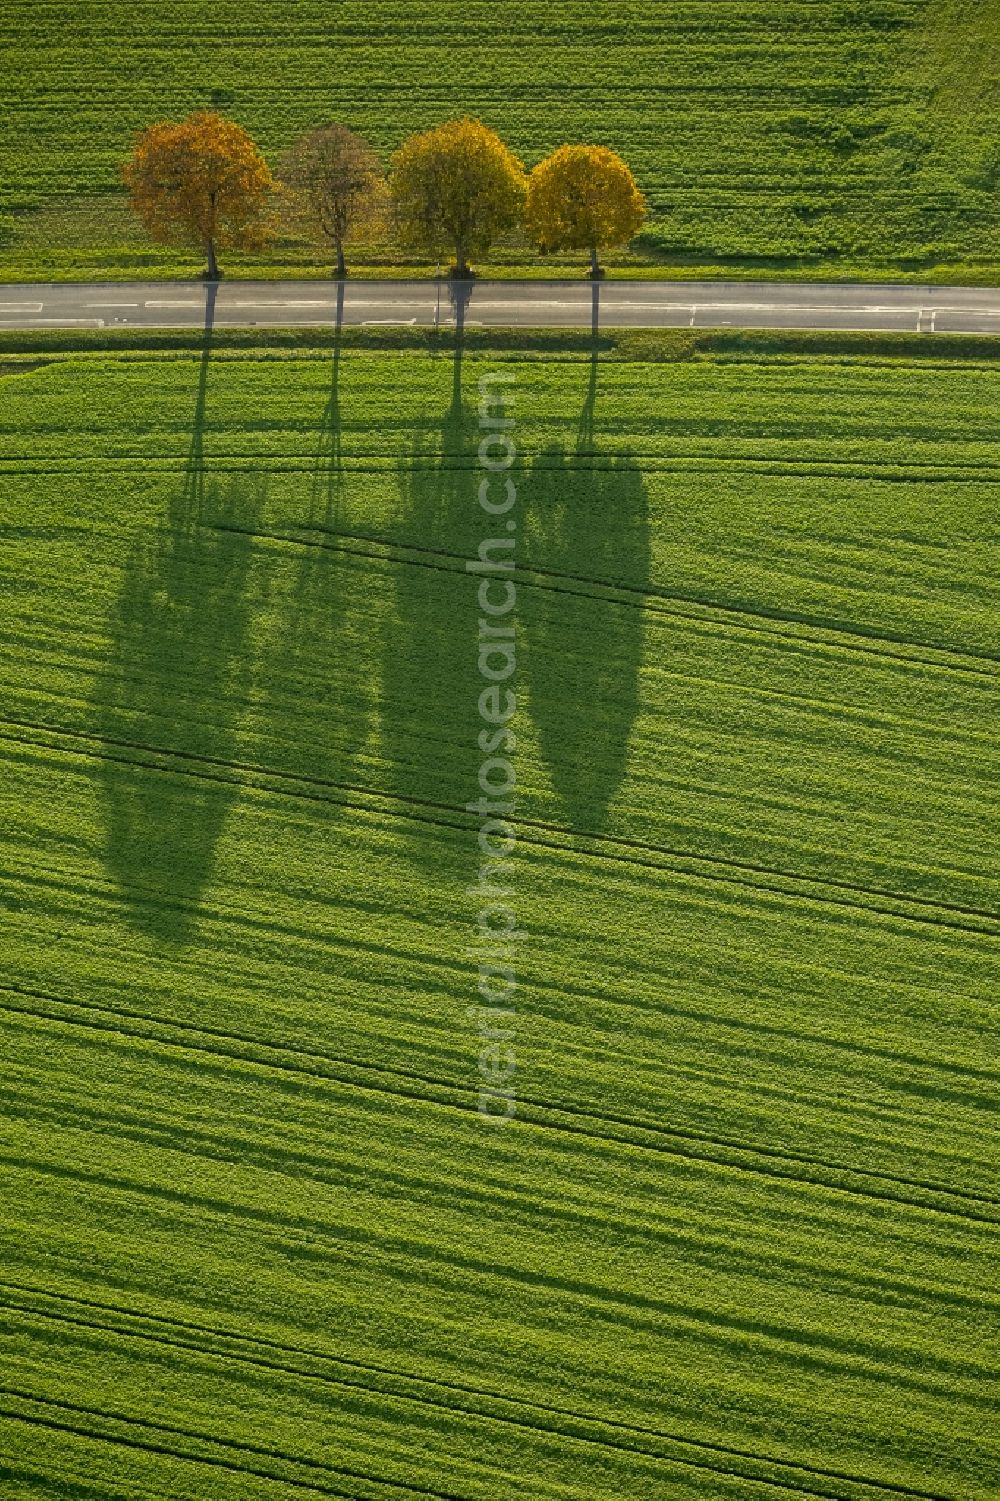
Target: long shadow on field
(317, 692)
(174, 683)
(587, 521)
(327, 494)
(430, 686)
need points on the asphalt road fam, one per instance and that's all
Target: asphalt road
(539, 304)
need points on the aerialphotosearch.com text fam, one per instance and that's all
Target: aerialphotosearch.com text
(497, 934)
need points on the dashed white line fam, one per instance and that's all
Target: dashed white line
(569, 305)
(56, 322)
(421, 302)
(350, 304)
(226, 307)
(610, 306)
(762, 307)
(969, 309)
(573, 304)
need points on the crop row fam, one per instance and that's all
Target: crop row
(255, 1238)
(381, 1244)
(324, 650)
(171, 855)
(865, 412)
(770, 131)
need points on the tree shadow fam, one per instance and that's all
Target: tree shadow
(586, 522)
(171, 695)
(326, 501)
(429, 682)
(317, 690)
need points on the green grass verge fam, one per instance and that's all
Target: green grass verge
(664, 345)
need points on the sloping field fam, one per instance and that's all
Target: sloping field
(741, 1239)
(843, 137)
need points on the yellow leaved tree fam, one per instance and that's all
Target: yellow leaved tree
(583, 198)
(202, 183)
(456, 188)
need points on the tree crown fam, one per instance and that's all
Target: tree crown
(334, 181)
(583, 198)
(457, 186)
(200, 182)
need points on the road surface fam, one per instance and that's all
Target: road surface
(495, 304)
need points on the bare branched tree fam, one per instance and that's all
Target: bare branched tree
(334, 187)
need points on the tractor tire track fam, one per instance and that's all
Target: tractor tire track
(646, 1136)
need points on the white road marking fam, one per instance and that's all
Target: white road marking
(229, 306)
(976, 312)
(56, 322)
(349, 303)
(760, 307)
(568, 305)
(382, 322)
(612, 306)
(532, 302)
(252, 323)
(967, 311)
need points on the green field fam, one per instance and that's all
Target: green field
(785, 137)
(740, 1240)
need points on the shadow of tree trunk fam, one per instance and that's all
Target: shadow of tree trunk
(176, 678)
(317, 689)
(586, 522)
(327, 491)
(429, 682)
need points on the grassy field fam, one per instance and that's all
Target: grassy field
(740, 1241)
(784, 137)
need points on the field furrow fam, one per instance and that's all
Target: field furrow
(740, 1238)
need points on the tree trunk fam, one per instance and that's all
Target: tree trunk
(341, 263)
(595, 269)
(462, 272)
(213, 265)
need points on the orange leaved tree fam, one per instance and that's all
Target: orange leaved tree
(456, 188)
(583, 198)
(203, 183)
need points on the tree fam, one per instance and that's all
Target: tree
(335, 185)
(456, 188)
(201, 183)
(583, 198)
